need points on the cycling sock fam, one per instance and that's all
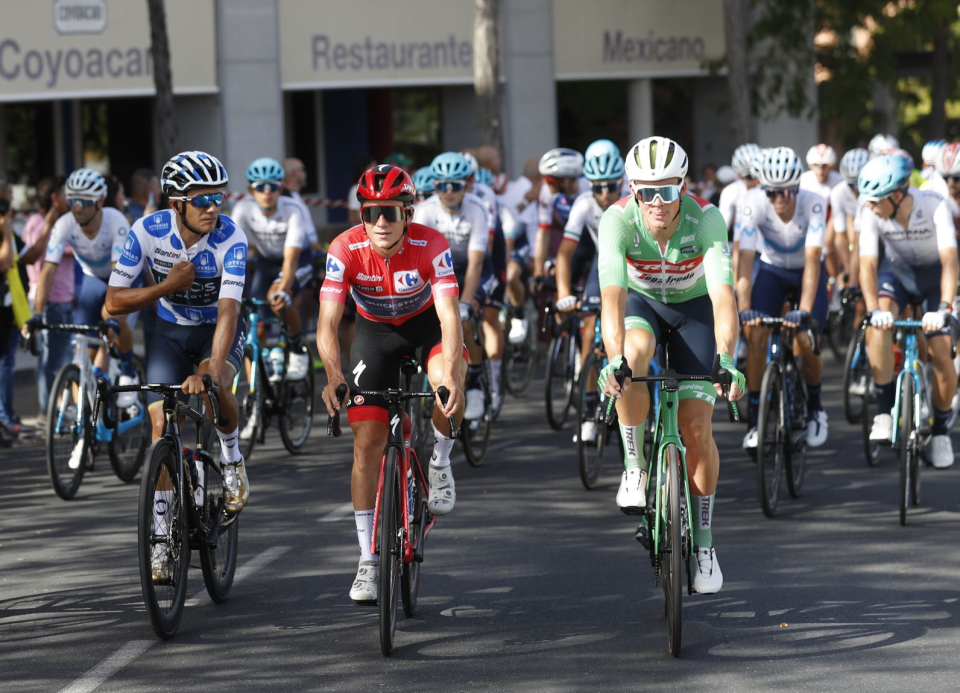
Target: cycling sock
(295, 343)
(813, 398)
(441, 449)
(632, 437)
(364, 520)
(126, 364)
(702, 532)
(162, 500)
(753, 407)
(228, 443)
(495, 366)
(473, 376)
(940, 421)
(886, 394)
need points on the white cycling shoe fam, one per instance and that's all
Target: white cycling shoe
(474, 408)
(443, 490)
(518, 330)
(750, 440)
(707, 578)
(632, 496)
(588, 431)
(297, 368)
(364, 589)
(882, 429)
(817, 429)
(246, 433)
(941, 451)
(858, 388)
(76, 455)
(127, 399)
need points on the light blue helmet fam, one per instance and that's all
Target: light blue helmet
(931, 150)
(882, 175)
(451, 166)
(743, 156)
(852, 163)
(483, 176)
(603, 161)
(86, 183)
(423, 180)
(264, 169)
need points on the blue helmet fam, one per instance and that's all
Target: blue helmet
(603, 161)
(423, 179)
(264, 169)
(451, 166)
(882, 175)
(484, 177)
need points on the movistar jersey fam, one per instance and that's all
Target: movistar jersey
(782, 243)
(96, 255)
(697, 257)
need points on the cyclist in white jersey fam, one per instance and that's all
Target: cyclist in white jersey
(948, 169)
(821, 179)
(733, 195)
(920, 262)
(845, 203)
(463, 221)
(786, 226)
(274, 224)
(96, 235)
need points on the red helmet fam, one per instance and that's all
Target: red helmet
(386, 182)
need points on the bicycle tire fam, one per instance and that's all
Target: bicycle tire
(590, 454)
(390, 549)
(796, 449)
(294, 395)
(672, 551)
(164, 603)
(63, 435)
(127, 451)
(419, 517)
(771, 439)
(835, 335)
(249, 402)
(871, 449)
(475, 433)
(853, 404)
(218, 563)
(558, 384)
(907, 443)
(522, 357)
(425, 419)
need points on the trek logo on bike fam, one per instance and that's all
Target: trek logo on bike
(335, 268)
(443, 264)
(405, 282)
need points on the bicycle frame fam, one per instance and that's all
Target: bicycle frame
(911, 359)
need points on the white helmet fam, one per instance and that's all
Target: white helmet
(472, 160)
(743, 156)
(192, 170)
(948, 163)
(561, 163)
(931, 152)
(821, 155)
(86, 183)
(656, 158)
(852, 163)
(882, 144)
(781, 168)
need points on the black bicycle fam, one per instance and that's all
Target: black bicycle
(181, 507)
(475, 433)
(841, 324)
(563, 365)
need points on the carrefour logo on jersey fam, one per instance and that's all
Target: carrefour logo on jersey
(335, 268)
(405, 282)
(443, 264)
(206, 264)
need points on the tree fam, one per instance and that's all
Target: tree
(486, 72)
(737, 20)
(163, 106)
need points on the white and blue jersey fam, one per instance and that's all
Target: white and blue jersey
(220, 258)
(97, 255)
(930, 229)
(781, 244)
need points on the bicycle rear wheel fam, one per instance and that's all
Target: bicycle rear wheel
(856, 373)
(796, 448)
(390, 549)
(131, 437)
(771, 440)
(218, 563)
(871, 449)
(475, 433)
(522, 358)
(559, 379)
(68, 427)
(250, 402)
(590, 453)
(410, 573)
(296, 418)
(907, 442)
(672, 551)
(165, 539)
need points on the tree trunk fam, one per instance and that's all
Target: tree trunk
(164, 112)
(938, 91)
(486, 72)
(737, 20)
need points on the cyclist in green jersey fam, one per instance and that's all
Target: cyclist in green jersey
(666, 277)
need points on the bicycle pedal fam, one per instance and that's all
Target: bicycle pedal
(632, 510)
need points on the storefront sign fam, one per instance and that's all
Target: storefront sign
(331, 43)
(609, 39)
(99, 48)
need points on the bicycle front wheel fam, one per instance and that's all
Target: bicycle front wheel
(68, 433)
(672, 550)
(297, 400)
(521, 362)
(771, 439)
(410, 573)
(590, 452)
(131, 437)
(907, 442)
(218, 556)
(559, 379)
(796, 447)
(162, 539)
(390, 549)
(856, 375)
(475, 433)
(250, 401)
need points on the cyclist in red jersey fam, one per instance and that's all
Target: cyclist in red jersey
(401, 276)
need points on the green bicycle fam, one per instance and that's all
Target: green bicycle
(666, 529)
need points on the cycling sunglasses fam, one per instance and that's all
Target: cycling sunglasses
(203, 201)
(774, 193)
(271, 186)
(647, 194)
(449, 185)
(603, 188)
(80, 202)
(371, 214)
(424, 195)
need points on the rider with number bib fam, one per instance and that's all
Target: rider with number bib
(665, 278)
(402, 278)
(920, 261)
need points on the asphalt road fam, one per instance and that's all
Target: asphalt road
(531, 584)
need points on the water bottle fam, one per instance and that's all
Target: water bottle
(275, 358)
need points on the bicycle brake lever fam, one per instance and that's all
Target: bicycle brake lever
(103, 394)
(444, 394)
(333, 423)
(213, 394)
(621, 375)
(725, 381)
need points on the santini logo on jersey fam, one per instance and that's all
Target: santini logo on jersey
(414, 241)
(361, 277)
(405, 282)
(335, 268)
(443, 264)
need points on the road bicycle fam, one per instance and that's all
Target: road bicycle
(73, 437)
(841, 324)
(857, 376)
(475, 433)
(402, 519)
(263, 389)
(666, 529)
(519, 360)
(181, 507)
(563, 365)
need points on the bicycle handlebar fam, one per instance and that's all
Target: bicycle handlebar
(807, 325)
(624, 373)
(105, 391)
(333, 423)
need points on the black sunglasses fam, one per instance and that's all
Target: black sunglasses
(266, 187)
(449, 185)
(602, 188)
(371, 214)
